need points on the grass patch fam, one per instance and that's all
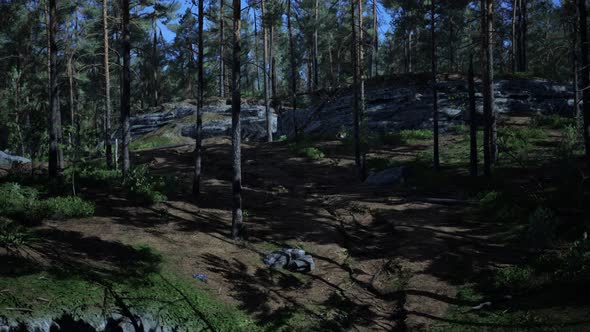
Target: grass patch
(552, 121)
(176, 303)
(23, 204)
(151, 142)
(68, 207)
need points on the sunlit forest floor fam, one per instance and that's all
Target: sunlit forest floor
(423, 255)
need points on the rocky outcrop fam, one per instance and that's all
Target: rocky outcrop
(7, 160)
(253, 120)
(216, 120)
(397, 107)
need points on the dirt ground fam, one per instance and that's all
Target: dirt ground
(384, 260)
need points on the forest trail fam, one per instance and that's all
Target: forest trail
(384, 261)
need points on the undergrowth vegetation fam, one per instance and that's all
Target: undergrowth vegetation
(24, 204)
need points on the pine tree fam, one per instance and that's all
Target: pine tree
(236, 126)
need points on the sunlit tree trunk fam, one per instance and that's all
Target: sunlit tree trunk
(107, 87)
(236, 127)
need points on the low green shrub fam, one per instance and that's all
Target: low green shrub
(517, 142)
(514, 279)
(67, 207)
(304, 148)
(20, 203)
(23, 204)
(143, 187)
(12, 235)
(500, 207)
(569, 144)
(312, 153)
(459, 129)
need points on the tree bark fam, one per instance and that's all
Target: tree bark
(236, 127)
(361, 78)
(514, 41)
(355, 88)
(375, 44)
(265, 72)
(155, 57)
(125, 88)
(488, 87)
(434, 89)
(582, 21)
(293, 68)
(56, 164)
(107, 87)
(575, 69)
(316, 73)
(221, 50)
(273, 65)
(200, 94)
(472, 122)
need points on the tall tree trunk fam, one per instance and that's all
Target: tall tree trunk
(355, 89)
(472, 122)
(273, 65)
(154, 75)
(265, 72)
(256, 42)
(56, 164)
(582, 19)
(126, 88)
(514, 41)
(410, 67)
(293, 68)
(361, 77)
(221, 50)
(375, 44)
(200, 95)
(107, 87)
(452, 46)
(575, 69)
(434, 88)
(488, 87)
(236, 127)
(316, 72)
(523, 39)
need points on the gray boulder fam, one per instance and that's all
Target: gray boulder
(291, 259)
(388, 177)
(7, 160)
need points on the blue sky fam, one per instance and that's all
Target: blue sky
(383, 25)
